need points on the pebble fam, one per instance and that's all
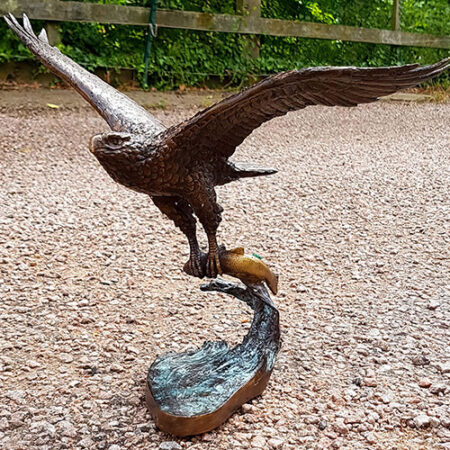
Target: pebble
(275, 443)
(340, 427)
(66, 358)
(433, 305)
(422, 421)
(420, 360)
(247, 408)
(370, 438)
(67, 429)
(86, 443)
(169, 445)
(387, 397)
(444, 367)
(370, 382)
(4, 424)
(17, 419)
(17, 396)
(438, 389)
(43, 427)
(259, 442)
(425, 383)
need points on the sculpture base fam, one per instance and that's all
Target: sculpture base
(194, 392)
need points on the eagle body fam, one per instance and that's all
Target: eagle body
(179, 167)
(154, 168)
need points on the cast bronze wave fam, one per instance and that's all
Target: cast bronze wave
(195, 391)
(179, 167)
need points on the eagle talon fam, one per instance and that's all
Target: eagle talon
(195, 266)
(213, 267)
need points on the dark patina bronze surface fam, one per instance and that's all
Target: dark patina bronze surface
(194, 392)
(179, 167)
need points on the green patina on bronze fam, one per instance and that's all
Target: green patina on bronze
(195, 391)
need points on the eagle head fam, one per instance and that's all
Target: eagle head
(120, 154)
(111, 143)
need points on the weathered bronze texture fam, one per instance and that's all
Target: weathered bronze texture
(179, 167)
(194, 392)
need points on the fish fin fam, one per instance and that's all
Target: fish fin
(237, 251)
(272, 282)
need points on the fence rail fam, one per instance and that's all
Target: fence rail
(248, 20)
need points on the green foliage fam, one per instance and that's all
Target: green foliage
(182, 57)
(10, 47)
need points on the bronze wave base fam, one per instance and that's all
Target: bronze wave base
(196, 391)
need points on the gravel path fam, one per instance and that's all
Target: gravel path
(356, 222)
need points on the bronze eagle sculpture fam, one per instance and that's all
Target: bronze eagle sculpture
(179, 167)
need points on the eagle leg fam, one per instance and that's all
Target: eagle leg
(179, 210)
(213, 267)
(209, 212)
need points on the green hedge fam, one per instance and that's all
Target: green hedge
(192, 58)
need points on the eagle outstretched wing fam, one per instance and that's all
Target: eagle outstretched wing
(121, 113)
(220, 128)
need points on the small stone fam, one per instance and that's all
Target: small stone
(422, 421)
(373, 417)
(4, 425)
(311, 420)
(437, 389)
(398, 406)
(445, 421)
(33, 364)
(247, 408)
(444, 367)
(276, 443)
(114, 447)
(387, 397)
(434, 421)
(425, 383)
(259, 442)
(434, 304)
(340, 427)
(86, 443)
(354, 418)
(169, 445)
(43, 427)
(420, 360)
(383, 345)
(17, 396)
(116, 368)
(370, 438)
(322, 425)
(370, 382)
(67, 429)
(17, 419)
(66, 358)
(350, 393)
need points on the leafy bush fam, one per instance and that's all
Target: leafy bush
(183, 57)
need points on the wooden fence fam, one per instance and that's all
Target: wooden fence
(247, 20)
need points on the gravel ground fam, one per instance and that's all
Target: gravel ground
(356, 223)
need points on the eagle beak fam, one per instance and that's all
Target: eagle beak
(93, 144)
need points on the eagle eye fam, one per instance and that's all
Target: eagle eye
(115, 141)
